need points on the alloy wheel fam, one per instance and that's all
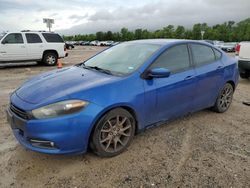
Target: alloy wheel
(115, 134)
(226, 97)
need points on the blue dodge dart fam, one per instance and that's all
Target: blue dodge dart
(103, 102)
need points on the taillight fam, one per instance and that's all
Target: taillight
(237, 48)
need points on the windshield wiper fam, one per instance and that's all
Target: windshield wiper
(98, 69)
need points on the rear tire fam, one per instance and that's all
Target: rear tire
(113, 133)
(244, 75)
(50, 58)
(224, 99)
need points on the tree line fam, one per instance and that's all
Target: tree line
(228, 32)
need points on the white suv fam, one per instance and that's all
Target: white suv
(40, 46)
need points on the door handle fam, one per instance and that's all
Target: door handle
(2, 52)
(22, 46)
(189, 77)
(219, 67)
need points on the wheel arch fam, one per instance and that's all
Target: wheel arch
(106, 110)
(232, 83)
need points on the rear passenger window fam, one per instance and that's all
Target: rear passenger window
(33, 38)
(217, 54)
(13, 38)
(52, 37)
(202, 54)
(174, 59)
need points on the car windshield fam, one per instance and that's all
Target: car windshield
(124, 58)
(2, 35)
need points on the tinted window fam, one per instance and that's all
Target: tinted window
(174, 59)
(202, 54)
(217, 54)
(33, 38)
(52, 37)
(13, 38)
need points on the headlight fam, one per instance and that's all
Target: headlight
(59, 109)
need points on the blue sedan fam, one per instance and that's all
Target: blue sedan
(103, 102)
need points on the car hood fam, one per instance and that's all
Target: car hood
(59, 84)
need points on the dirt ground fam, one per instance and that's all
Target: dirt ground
(205, 149)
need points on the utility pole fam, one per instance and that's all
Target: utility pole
(48, 22)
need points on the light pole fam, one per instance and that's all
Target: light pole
(48, 22)
(202, 34)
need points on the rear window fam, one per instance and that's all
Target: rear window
(33, 38)
(202, 54)
(52, 37)
(217, 54)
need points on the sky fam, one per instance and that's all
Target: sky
(89, 16)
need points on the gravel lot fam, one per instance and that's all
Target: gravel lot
(204, 149)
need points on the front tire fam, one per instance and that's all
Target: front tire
(224, 99)
(50, 59)
(113, 133)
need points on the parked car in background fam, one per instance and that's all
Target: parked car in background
(123, 90)
(94, 43)
(84, 43)
(109, 43)
(102, 43)
(77, 43)
(244, 59)
(69, 46)
(40, 46)
(228, 46)
(218, 44)
(106, 43)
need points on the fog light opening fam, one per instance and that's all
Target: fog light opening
(43, 144)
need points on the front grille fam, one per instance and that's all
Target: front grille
(19, 112)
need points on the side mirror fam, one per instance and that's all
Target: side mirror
(158, 73)
(3, 42)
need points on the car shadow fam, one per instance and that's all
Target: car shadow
(19, 65)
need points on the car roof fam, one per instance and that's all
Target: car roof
(29, 31)
(165, 41)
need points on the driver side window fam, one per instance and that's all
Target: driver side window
(13, 38)
(174, 59)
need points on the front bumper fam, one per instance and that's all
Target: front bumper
(69, 134)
